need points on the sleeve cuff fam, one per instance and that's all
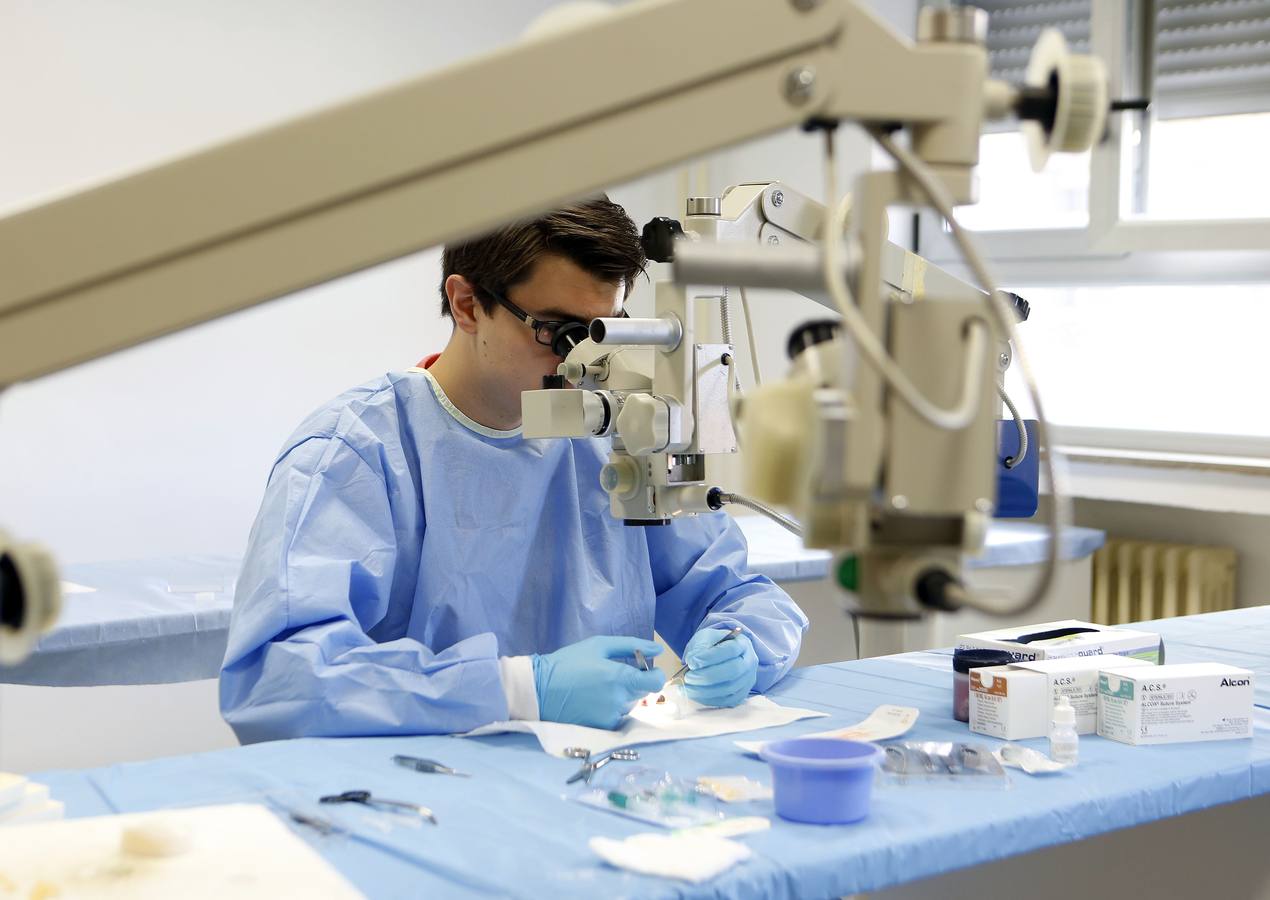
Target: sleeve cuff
(517, 673)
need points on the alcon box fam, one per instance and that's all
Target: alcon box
(1171, 704)
(1015, 702)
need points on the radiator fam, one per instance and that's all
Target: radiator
(1139, 580)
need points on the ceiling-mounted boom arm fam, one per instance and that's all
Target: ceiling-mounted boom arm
(454, 153)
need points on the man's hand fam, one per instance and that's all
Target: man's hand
(584, 685)
(719, 674)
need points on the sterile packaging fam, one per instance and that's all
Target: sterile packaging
(1034, 762)
(655, 797)
(1015, 702)
(940, 762)
(1170, 704)
(1069, 637)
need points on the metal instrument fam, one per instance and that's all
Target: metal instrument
(590, 765)
(427, 765)
(683, 670)
(365, 798)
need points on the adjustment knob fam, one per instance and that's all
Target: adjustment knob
(811, 333)
(659, 238)
(30, 598)
(1022, 309)
(620, 477)
(937, 589)
(1065, 99)
(644, 424)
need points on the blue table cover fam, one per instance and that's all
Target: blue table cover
(166, 620)
(511, 829)
(143, 622)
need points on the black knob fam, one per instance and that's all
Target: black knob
(1020, 306)
(1039, 104)
(932, 590)
(659, 238)
(811, 333)
(12, 594)
(552, 382)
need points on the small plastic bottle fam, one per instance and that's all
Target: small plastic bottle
(1064, 741)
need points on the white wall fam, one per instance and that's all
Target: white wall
(1248, 534)
(164, 449)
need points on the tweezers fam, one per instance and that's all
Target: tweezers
(427, 765)
(683, 670)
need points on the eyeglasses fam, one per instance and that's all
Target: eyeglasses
(560, 336)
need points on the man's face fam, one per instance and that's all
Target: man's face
(557, 290)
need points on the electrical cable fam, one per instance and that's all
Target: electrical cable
(741, 500)
(871, 348)
(1012, 461)
(749, 334)
(1058, 511)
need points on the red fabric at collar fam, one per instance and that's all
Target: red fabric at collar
(428, 360)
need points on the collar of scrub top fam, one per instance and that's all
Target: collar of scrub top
(560, 335)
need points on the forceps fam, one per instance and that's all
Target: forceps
(427, 765)
(683, 670)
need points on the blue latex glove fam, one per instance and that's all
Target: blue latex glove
(583, 683)
(719, 675)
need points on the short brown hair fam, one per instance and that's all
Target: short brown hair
(596, 235)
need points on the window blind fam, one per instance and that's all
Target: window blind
(1209, 57)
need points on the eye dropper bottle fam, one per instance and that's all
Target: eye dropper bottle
(1064, 741)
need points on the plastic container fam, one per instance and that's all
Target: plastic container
(1064, 741)
(963, 662)
(824, 781)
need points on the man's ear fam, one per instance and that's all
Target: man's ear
(464, 307)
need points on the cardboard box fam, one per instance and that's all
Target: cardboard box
(1077, 678)
(1015, 702)
(1170, 704)
(1101, 640)
(1008, 702)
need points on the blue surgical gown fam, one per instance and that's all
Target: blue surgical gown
(401, 549)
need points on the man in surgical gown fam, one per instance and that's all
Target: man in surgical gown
(418, 567)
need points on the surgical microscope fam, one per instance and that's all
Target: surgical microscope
(669, 402)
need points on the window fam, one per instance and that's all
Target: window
(1149, 258)
(1151, 358)
(1014, 197)
(1206, 168)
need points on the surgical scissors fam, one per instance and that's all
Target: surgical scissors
(590, 765)
(365, 798)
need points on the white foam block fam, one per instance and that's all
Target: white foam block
(12, 788)
(237, 850)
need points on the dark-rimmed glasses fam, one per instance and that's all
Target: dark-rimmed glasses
(560, 335)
